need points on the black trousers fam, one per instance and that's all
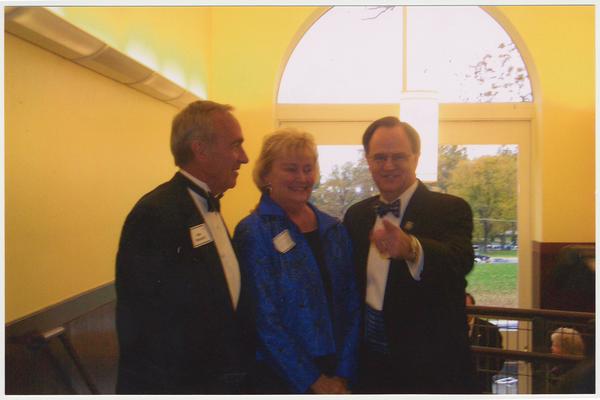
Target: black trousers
(380, 374)
(232, 383)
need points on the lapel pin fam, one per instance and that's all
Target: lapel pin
(408, 225)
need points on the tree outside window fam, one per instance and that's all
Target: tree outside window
(487, 182)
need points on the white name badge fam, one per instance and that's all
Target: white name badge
(283, 242)
(200, 235)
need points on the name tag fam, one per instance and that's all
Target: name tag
(283, 242)
(200, 235)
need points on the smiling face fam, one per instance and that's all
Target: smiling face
(392, 162)
(292, 179)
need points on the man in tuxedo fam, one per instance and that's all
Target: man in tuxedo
(413, 250)
(177, 276)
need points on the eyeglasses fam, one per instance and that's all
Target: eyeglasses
(396, 158)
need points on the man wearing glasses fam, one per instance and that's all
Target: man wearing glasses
(413, 250)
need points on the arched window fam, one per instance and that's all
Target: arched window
(375, 54)
(357, 64)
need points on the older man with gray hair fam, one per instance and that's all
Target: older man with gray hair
(177, 277)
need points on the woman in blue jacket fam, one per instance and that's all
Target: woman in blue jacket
(298, 264)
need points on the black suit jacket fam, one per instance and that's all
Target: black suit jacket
(177, 329)
(425, 320)
(485, 334)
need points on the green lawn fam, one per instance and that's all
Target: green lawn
(494, 284)
(499, 253)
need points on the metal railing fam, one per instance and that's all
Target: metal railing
(523, 363)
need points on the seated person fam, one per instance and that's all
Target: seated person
(484, 333)
(567, 341)
(570, 378)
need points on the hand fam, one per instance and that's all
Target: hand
(329, 385)
(344, 382)
(391, 241)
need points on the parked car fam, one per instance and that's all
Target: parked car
(481, 258)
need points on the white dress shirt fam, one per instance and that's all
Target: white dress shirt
(378, 265)
(216, 227)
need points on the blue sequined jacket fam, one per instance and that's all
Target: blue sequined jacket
(293, 322)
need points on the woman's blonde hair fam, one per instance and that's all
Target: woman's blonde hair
(284, 142)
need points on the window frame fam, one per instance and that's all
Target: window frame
(504, 123)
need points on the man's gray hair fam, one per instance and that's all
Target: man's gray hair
(194, 122)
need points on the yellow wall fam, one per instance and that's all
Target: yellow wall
(247, 50)
(560, 46)
(249, 45)
(171, 40)
(81, 149)
(560, 39)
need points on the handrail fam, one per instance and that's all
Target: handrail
(63, 312)
(528, 313)
(526, 355)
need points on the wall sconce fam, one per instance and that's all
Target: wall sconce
(47, 30)
(421, 110)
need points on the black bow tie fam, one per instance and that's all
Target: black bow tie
(212, 202)
(382, 208)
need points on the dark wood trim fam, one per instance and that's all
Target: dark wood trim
(526, 355)
(544, 259)
(529, 313)
(63, 312)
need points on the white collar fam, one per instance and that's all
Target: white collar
(195, 180)
(404, 197)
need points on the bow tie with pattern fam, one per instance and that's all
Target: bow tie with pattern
(382, 208)
(212, 202)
